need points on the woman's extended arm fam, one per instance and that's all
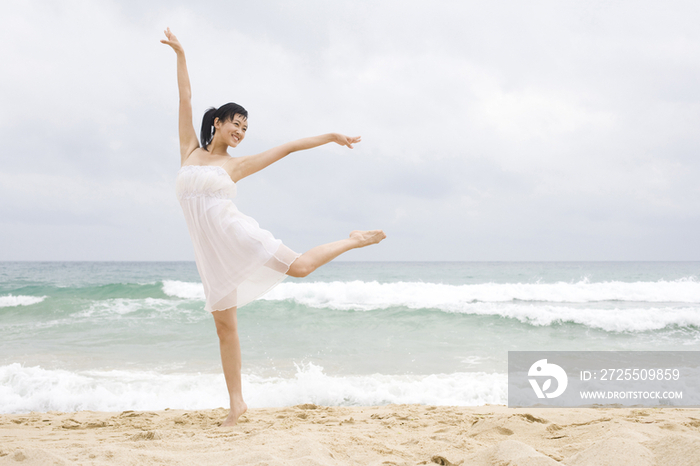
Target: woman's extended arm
(188, 136)
(253, 163)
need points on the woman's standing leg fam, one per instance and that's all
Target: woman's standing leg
(230, 346)
(316, 257)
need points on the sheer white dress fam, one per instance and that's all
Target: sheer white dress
(237, 260)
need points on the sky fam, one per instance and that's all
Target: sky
(491, 131)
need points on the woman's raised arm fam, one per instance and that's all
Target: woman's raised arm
(188, 136)
(250, 164)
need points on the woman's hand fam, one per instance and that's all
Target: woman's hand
(172, 41)
(346, 140)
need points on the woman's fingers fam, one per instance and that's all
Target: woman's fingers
(174, 45)
(171, 40)
(171, 37)
(351, 141)
(347, 141)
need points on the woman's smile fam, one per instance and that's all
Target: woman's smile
(236, 129)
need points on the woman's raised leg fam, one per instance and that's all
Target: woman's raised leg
(316, 257)
(230, 346)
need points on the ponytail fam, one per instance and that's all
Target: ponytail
(207, 132)
(224, 113)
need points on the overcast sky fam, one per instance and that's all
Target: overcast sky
(491, 130)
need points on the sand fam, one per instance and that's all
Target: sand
(378, 435)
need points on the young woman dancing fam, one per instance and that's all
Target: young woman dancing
(236, 259)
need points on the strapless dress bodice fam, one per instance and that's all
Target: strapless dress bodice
(204, 181)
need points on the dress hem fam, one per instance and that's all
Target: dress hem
(277, 282)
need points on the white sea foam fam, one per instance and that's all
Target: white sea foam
(609, 319)
(123, 306)
(24, 389)
(358, 295)
(11, 301)
(625, 307)
(184, 290)
(311, 384)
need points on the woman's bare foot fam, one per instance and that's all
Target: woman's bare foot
(237, 411)
(365, 238)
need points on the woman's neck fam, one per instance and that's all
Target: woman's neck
(218, 149)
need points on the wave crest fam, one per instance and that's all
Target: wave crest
(12, 301)
(184, 290)
(358, 295)
(25, 389)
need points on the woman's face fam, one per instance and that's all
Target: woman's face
(232, 131)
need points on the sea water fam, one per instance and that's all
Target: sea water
(123, 335)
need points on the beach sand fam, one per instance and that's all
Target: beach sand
(377, 435)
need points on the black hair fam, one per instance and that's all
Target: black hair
(224, 113)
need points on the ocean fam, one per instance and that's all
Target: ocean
(113, 336)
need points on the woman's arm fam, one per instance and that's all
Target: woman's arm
(253, 163)
(188, 136)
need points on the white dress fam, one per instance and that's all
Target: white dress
(237, 260)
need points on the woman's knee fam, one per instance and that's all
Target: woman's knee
(226, 324)
(226, 330)
(300, 269)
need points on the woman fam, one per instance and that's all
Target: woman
(237, 260)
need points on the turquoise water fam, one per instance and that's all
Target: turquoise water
(135, 336)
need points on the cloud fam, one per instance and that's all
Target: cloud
(491, 131)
